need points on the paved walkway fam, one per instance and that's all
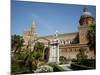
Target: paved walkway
(66, 67)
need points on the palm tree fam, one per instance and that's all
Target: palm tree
(16, 43)
(34, 59)
(39, 48)
(92, 37)
(27, 60)
(81, 55)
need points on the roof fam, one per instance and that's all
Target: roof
(59, 35)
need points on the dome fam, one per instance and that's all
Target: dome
(86, 12)
(86, 17)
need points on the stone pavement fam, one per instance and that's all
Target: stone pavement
(66, 67)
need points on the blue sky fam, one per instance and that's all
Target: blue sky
(49, 17)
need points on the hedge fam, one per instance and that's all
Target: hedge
(80, 67)
(57, 68)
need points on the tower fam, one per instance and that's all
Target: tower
(85, 21)
(30, 34)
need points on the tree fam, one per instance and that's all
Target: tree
(92, 37)
(35, 58)
(81, 55)
(39, 48)
(27, 61)
(16, 43)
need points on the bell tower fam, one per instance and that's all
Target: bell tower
(85, 21)
(30, 34)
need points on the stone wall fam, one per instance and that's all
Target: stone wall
(71, 51)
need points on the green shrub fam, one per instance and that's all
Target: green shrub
(80, 67)
(57, 68)
(44, 68)
(88, 62)
(62, 60)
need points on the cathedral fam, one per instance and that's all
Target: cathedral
(66, 44)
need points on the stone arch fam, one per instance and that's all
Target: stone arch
(46, 49)
(43, 40)
(46, 53)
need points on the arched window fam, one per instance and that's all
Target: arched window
(64, 42)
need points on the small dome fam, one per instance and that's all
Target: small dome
(86, 12)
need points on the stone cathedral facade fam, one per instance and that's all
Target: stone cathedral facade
(69, 43)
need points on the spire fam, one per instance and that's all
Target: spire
(32, 27)
(33, 24)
